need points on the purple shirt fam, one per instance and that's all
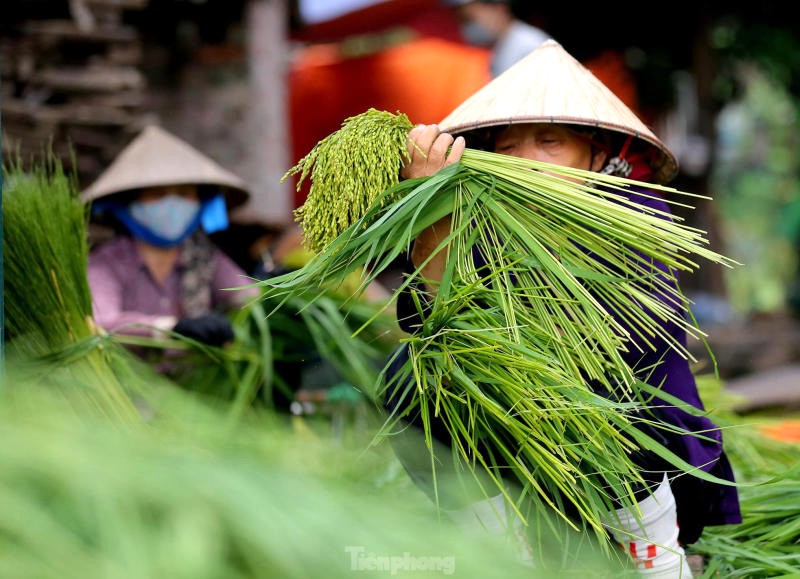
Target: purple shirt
(125, 294)
(661, 365)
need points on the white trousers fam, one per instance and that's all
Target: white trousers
(495, 517)
(649, 536)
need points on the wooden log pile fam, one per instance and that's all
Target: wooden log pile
(73, 86)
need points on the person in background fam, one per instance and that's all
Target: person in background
(161, 272)
(493, 24)
(551, 108)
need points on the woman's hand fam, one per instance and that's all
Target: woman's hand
(429, 150)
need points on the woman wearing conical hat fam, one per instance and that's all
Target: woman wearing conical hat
(548, 107)
(163, 272)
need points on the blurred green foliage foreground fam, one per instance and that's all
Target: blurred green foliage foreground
(108, 469)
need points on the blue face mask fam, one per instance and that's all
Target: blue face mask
(169, 219)
(477, 34)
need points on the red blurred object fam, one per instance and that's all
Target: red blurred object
(609, 66)
(785, 431)
(426, 17)
(425, 78)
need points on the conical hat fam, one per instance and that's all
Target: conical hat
(156, 157)
(550, 86)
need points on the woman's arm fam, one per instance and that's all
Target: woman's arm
(108, 312)
(227, 274)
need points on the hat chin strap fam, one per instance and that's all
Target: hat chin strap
(619, 165)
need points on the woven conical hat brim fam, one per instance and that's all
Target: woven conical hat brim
(155, 158)
(550, 86)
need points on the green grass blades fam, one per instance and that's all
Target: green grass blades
(767, 542)
(568, 283)
(48, 306)
(505, 399)
(45, 252)
(195, 496)
(315, 341)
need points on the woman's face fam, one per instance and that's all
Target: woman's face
(549, 143)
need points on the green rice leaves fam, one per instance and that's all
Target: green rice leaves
(46, 253)
(48, 305)
(565, 283)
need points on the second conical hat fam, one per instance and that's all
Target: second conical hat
(551, 86)
(156, 157)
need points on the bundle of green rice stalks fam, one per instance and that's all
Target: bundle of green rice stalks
(767, 542)
(196, 496)
(348, 170)
(48, 305)
(506, 350)
(350, 338)
(275, 355)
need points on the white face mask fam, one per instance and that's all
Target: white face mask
(168, 218)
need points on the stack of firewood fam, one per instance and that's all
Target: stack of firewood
(73, 85)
